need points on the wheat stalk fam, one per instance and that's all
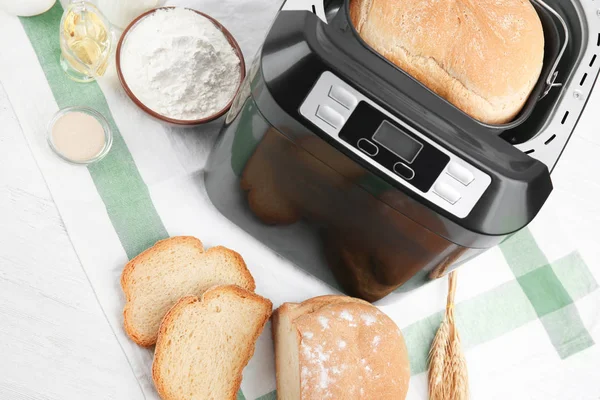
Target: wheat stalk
(437, 362)
(448, 377)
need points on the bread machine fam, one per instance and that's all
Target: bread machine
(357, 173)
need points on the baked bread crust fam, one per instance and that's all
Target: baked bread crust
(483, 56)
(346, 349)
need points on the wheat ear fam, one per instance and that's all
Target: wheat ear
(437, 362)
(448, 376)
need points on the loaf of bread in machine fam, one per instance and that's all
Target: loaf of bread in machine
(483, 56)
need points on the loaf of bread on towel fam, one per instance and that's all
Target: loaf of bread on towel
(173, 268)
(338, 347)
(205, 343)
(483, 56)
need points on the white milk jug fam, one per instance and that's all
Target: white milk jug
(26, 8)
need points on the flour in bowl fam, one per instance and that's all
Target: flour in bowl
(180, 65)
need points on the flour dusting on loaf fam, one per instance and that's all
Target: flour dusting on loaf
(483, 56)
(359, 353)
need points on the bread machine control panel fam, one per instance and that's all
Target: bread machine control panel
(393, 147)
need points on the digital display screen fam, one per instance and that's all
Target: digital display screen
(397, 142)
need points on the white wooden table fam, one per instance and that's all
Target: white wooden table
(55, 342)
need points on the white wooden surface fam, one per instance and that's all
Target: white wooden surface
(55, 342)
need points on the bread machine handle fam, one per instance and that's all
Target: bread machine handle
(551, 78)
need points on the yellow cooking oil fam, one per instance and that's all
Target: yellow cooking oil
(86, 42)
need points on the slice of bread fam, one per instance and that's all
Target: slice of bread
(204, 344)
(173, 268)
(337, 347)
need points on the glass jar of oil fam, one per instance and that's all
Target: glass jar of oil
(86, 42)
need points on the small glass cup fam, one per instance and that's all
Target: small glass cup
(108, 135)
(86, 41)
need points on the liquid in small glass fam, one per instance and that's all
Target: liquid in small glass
(86, 42)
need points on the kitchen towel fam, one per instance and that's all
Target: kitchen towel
(528, 310)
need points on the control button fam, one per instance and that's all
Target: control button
(330, 116)
(447, 192)
(404, 171)
(368, 147)
(343, 97)
(460, 173)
